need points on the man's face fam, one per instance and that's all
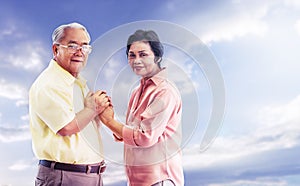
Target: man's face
(72, 60)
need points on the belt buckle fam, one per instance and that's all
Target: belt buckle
(102, 168)
(88, 169)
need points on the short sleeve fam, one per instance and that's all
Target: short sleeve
(55, 107)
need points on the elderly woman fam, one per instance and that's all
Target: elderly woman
(152, 132)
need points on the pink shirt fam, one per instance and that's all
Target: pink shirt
(152, 134)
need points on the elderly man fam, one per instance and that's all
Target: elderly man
(64, 114)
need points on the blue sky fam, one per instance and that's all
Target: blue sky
(255, 44)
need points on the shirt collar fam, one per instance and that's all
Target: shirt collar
(65, 75)
(81, 81)
(157, 78)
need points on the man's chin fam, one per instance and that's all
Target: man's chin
(77, 68)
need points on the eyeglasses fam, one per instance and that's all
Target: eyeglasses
(73, 48)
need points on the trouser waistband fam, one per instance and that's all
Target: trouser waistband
(75, 168)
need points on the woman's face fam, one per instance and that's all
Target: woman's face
(142, 60)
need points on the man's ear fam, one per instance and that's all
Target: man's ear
(54, 49)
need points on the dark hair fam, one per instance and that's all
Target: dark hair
(152, 38)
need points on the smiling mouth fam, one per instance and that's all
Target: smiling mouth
(137, 67)
(77, 61)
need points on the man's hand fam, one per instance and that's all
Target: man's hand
(97, 101)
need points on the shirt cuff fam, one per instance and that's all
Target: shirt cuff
(128, 137)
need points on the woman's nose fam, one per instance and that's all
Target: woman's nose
(137, 60)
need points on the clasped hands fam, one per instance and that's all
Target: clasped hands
(101, 103)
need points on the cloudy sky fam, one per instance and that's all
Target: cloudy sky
(254, 44)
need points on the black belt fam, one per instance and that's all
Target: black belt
(75, 168)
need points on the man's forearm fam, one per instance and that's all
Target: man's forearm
(81, 120)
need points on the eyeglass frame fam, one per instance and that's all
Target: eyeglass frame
(88, 50)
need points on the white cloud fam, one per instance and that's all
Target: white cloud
(231, 20)
(19, 166)
(12, 91)
(27, 55)
(20, 103)
(116, 174)
(110, 68)
(223, 149)
(297, 26)
(6, 32)
(12, 28)
(10, 134)
(282, 123)
(292, 3)
(23, 51)
(9, 31)
(279, 129)
(239, 19)
(234, 27)
(257, 182)
(182, 73)
(25, 117)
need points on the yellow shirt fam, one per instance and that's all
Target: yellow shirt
(54, 99)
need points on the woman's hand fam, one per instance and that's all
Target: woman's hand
(107, 115)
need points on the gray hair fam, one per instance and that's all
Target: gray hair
(58, 33)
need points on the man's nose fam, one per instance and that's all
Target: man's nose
(79, 51)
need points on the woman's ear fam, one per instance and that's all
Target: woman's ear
(157, 59)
